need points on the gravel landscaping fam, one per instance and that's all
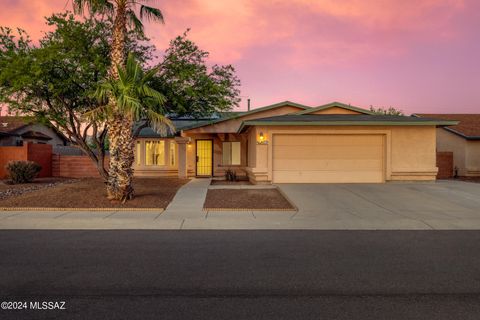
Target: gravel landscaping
(246, 199)
(8, 190)
(91, 193)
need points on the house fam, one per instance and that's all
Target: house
(292, 143)
(18, 130)
(463, 140)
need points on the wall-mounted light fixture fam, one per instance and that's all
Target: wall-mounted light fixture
(262, 139)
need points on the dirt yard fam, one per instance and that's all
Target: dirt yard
(90, 193)
(246, 199)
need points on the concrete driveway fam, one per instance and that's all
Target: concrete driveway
(436, 205)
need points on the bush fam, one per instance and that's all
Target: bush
(22, 171)
(230, 175)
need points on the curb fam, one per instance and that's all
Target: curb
(248, 209)
(78, 209)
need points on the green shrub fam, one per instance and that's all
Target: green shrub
(22, 171)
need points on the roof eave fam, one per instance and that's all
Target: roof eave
(346, 123)
(461, 134)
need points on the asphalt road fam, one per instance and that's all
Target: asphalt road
(242, 274)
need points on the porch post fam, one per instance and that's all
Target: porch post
(182, 156)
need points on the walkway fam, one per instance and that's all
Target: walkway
(188, 202)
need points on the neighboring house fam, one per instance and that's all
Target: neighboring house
(291, 143)
(16, 131)
(462, 139)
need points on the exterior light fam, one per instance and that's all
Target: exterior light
(262, 139)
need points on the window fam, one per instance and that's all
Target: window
(138, 153)
(173, 153)
(231, 153)
(155, 153)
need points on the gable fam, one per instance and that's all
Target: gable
(232, 125)
(336, 108)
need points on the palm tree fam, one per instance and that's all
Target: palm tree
(136, 100)
(120, 125)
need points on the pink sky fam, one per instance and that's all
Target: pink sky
(416, 55)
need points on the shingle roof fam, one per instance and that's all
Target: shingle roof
(468, 128)
(10, 124)
(35, 135)
(345, 119)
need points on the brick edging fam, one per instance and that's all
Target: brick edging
(77, 209)
(248, 209)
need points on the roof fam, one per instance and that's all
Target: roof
(179, 124)
(35, 135)
(468, 128)
(236, 115)
(9, 124)
(344, 119)
(335, 104)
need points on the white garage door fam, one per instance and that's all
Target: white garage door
(328, 158)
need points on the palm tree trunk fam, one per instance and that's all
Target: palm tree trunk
(119, 185)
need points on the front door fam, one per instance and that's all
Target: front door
(204, 158)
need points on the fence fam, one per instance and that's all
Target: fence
(40, 153)
(74, 166)
(445, 165)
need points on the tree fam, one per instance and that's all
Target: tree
(134, 98)
(188, 84)
(55, 80)
(391, 111)
(119, 185)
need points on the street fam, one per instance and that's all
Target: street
(242, 274)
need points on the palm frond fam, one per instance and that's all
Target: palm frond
(93, 6)
(100, 113)
(159, 123)
(151, 13)
(134, 23)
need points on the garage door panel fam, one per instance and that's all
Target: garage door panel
(330, 152)
(328, 177)
(328, 164)
(327, 140)
(328, 158)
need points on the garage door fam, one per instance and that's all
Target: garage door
(328, 158)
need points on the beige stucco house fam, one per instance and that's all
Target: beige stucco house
(291, 143)
(462, 139)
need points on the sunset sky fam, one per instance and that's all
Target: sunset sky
(416, 55)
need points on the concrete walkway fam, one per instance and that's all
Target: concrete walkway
(189, 200)
(443, 205)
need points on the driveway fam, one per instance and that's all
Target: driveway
(436, 205)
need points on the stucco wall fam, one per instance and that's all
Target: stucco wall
(409, 151)
(473, 158)
(449, 142)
